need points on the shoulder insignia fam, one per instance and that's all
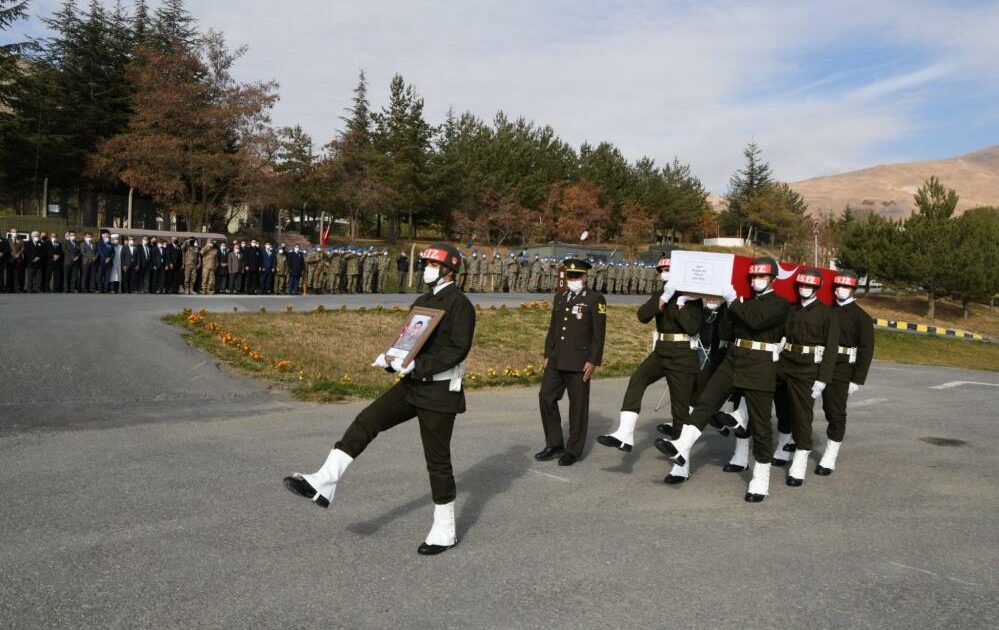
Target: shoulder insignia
(602, 308)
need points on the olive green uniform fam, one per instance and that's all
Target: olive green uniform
(856, 331)
(191, 260)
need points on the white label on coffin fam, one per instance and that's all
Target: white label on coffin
(701, 272)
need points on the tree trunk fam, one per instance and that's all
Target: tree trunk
(412, 227)
(867, 285)
(967, 308)
(931, 309)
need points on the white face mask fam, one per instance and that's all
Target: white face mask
(87, 238)
(574, 285)
(843, 293)
(806, 293)
(664, 276)
(760, 284)
(431, 275)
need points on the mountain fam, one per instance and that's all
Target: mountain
(887, 189)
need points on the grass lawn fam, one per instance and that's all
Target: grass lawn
(325, 355)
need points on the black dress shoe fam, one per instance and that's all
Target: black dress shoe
(295, 483)
(721, 419)
(665, 428)
(613, 442)
(790, 447)
(548, 452)
(675, 479)
(432, 550)
(822, 470)
(741, 432)
(734, 468)
(794, 482)
(754, 498)
(780, 463)
(666, 448)
(567, 459)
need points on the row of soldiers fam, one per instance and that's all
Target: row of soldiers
(520, 274)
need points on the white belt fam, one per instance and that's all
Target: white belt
(850, 352)
(455, 375)
(818, 351)
(673, 337)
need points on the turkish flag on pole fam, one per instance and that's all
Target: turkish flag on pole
(325, 234)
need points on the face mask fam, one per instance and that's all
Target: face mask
(268, 248)
(34, 239)
(806, 293)
(431, 275)
(72, 239)
(664, 276)
(145, 242)
(13, 234)
(760, 284)
(235, 249)
(131, 243)
(843, 293)
(574, 285)
(87, 239)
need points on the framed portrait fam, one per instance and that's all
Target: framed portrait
(419, 325)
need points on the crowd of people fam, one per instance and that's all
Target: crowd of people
(43, 263)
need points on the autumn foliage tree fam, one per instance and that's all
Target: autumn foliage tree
(189, 141)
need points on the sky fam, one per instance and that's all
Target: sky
(822, 87)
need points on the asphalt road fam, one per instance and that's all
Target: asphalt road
(141, 488)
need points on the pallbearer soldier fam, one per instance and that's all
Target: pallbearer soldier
(750, 365)
(430, 391)
(678, 320)
(853, 360)
(573, 349)
(811, 336)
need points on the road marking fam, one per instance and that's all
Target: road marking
(544, 474)
(869, 402)
(960, 383)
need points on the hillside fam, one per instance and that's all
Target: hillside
(888, 188)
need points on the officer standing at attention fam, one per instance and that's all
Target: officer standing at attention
(678, 320)
(750, 365)
(429, 390)
(811, 337)
(574, 348)
(853, 360)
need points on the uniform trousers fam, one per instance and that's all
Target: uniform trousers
(834, 398)
(393, 408)
(554, 383)
(759, 402)
(681, 387)
(794, 404)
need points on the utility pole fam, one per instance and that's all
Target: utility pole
(815, 234)
(45, 198)
(131, 190)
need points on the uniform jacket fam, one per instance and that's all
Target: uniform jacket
(673, 319)
(856, 330)
(209, 257)
(812, 325)
(577, 329)
(447, 346)
(760, 318)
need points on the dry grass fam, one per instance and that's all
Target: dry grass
(912, 308)
(326, 355)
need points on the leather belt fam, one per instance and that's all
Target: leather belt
(757, 345)
(673, 337)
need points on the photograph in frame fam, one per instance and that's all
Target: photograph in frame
(420, 324)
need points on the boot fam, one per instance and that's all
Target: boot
(679, 450)
(796, 475)
(759, 486)
(320, 485)
(785, 446)
(624, 437)
(442, 534)
(828, 462)
(740, 458)
(678, 474)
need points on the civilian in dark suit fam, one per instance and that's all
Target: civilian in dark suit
(145, 257)
(129, 266)
(222, 272)
(105, 259)
(88, 255)
(173, 267)
(34, 263)
(236, 269)
(251, 267)
(296, 267)
(55, 264)
(159, 268)
(71, 260)
(268, 264)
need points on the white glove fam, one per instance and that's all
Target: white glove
(817, 388)
(730, 295)
(403, 371)
(380, 362)
(853, 388)
(668, 292)
(683, 299)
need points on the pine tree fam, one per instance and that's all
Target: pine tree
(929, 239)
(747, 182)
(140, 22)
(173, 26)
(359, 121)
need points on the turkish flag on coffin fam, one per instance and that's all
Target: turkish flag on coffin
(784, 284)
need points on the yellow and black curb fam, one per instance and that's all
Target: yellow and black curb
(926, 329)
